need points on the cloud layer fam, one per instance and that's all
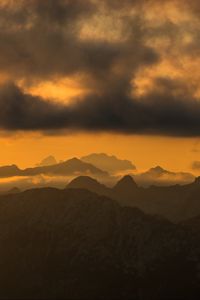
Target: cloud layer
(134, 63)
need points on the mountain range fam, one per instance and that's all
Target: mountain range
(162, 177)
(75, 244)
(70, 167)
(176, 203)
(106, 168)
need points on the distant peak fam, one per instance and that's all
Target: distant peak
(74, 159)
(158, 169)
(50, 157)
(48, 161)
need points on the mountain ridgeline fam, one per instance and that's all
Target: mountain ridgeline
(176, 203)
(93, 241)
(68, 167)
(106, 168)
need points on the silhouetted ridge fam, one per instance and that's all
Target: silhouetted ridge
(74, 160)
(83, 181)
(126, 191)
(174, 202)
(68, 167)
(126, 183)
(91, 184)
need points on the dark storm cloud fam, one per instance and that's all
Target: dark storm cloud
(25, 112)
(41, 39)
(113, 112)
(61, 11)
(21, 12)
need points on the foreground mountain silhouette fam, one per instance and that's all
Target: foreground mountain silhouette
(109, 163)
(175, 203)
(70, 167)
(90, 184)
(74, 244)
(126, 183)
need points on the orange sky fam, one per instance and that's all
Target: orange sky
(145, 152)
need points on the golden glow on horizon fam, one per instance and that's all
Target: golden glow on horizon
(145, 151)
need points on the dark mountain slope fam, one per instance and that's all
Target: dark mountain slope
(90, 184)
(74, 244)
(126, 191)
(174, 202)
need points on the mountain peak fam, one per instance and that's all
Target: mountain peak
(157, 169)
(126, 182)
(127, 178)
(74, 159)
(48, 161)
(88, 183)
(83, 181)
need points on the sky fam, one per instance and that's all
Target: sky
(112, 76)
